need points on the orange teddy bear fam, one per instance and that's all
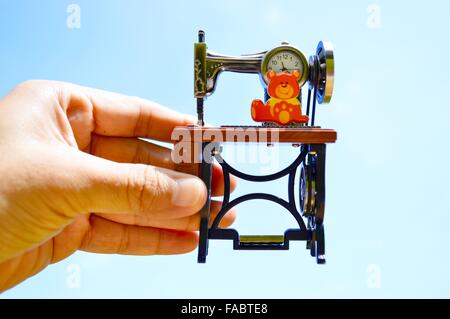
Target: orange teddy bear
(283, 107)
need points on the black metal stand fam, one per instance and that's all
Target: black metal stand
(206, 172)
(312, 156)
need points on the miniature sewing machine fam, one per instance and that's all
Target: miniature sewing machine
(283, 71)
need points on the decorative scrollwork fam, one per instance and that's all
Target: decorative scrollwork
(290, 206)
(199, 85)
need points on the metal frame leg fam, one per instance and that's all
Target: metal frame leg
(206, 172)
(315, 221)
(320, 244)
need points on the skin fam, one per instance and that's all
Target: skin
(74, 176)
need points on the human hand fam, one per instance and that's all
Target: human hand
(74, 175)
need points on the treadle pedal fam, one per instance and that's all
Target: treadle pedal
(270, 126)
(261, 240)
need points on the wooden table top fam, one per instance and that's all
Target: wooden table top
(257, 134)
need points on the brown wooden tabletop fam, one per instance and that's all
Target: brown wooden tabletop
(257, 134)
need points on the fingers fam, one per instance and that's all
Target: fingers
(133, 150)
(188, 223)
(108, 237)
(104, 186)
(217, 184)
(121, 115)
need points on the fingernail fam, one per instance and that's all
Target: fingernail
(188, 192)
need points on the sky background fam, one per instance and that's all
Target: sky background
(387, 208)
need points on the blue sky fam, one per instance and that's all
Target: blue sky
(387, 176)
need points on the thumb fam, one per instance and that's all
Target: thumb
(110, 187)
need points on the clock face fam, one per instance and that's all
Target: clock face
(285, 61)
(284, 58)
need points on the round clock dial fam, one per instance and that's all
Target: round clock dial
(285, 61)
(285, 58)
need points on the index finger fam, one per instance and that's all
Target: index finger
(120, 115)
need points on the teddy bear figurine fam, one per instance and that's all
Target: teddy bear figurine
(283, 107)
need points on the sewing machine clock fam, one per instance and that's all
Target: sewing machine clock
(281, 118)
(284, 58)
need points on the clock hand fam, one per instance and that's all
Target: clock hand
(284, 68)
